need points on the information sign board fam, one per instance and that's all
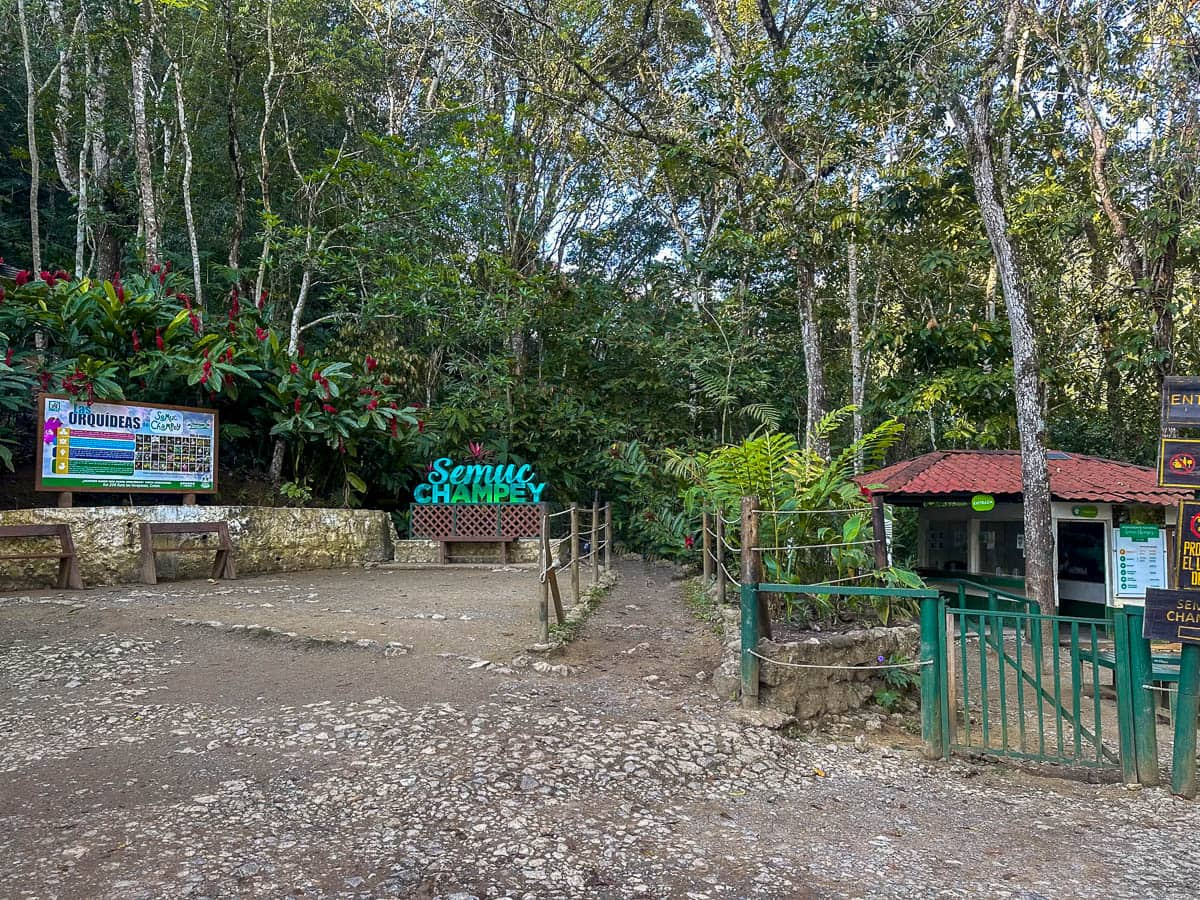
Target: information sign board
(1179, 463)
(138, 447)
(1172, 616)
(1187, 546)
(1139, 560)
(1181, 401)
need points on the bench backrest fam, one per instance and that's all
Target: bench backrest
(28, 531)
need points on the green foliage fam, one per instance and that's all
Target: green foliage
(143, 338)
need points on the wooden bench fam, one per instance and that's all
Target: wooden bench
(68, 562)
(223, 566)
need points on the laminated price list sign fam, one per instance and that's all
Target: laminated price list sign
(1139, 561)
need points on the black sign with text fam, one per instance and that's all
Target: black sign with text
(1172, 616)
(1187, 546)
(1179, 463)
(1181, 402)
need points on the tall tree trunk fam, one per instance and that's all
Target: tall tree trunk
(140, 66)
(978, 141)
(814, 368)
(856, 361)
(264, 163)
(35, 172)
(189, 218)
(232, 92)
(108, 246)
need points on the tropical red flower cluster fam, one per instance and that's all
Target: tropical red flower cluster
(136, 346)
(8, 357)
(260, 333)
(296, 406)
(329, 409)
(372, 363)
(21, 278)
(158, 341)
(48, 277)
(294, 369)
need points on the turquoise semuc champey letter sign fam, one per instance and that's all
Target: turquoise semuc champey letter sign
(448, 483)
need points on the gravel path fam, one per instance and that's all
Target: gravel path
(144, 757)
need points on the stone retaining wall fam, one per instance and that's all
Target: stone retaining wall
(267, 539)
(416, 551)
(814, 693)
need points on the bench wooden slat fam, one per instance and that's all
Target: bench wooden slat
(223, 564)
(68, 563)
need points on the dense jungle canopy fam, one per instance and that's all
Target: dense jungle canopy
(578, 233)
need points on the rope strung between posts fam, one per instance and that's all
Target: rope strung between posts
(775, 662)
(806, 512)
(814, 546)
(561, 512)
(726, 571)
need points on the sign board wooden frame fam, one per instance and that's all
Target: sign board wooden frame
(1172, 616)
(1179, 463)
(1187, 546)
(1181, 401)
(119, 483)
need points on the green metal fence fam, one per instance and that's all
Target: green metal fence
(1011, 691)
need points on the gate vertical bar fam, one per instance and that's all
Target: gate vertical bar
(932, 678)
(752, 627)
(1145, 723)
(575, 551)
(946, 648)
(1183, 755)
(596, 540)
(1122, 672)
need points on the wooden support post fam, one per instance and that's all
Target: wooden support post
(719, 558)
(542, 611)
(706, 548)
(551, 571)
(575, 551)
(752, 561)
(879, 526)
(65, 500)
(608, 536)
(189, 499)
(596, 540)
(1183, 756)
(931, 675)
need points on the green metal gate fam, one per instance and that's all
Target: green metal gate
(1029, 686)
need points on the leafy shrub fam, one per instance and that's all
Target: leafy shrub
(143, 338)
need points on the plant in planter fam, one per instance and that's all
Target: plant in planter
(815, 520)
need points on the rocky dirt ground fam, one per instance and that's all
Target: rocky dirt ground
(382, 734)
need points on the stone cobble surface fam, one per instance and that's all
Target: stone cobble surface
(143, 758)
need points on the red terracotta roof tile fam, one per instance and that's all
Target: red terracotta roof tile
(1073, 476)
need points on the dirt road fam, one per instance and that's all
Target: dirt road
(378, 734)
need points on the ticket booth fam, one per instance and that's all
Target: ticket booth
(1111, 523)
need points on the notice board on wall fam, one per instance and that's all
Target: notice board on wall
(1139, 561)
(136, 447)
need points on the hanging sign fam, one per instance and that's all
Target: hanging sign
(125, 447)
(1139, 560)
(983, 503)
(1187, 549)
(474, 483)
(1172, 616)
(1181, 402)
(1179, 463)
(1085, 512)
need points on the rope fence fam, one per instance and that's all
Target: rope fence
(584, 525)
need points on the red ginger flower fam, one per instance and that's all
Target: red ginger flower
(689, 541)
(62, 275)
(8, 357)
(294, 369)
(260, 333)
(329, 409)
(420, 427)
(158, 341)
(372, 362)
(374, 404)
(120, 292)
(1, 293)
(262, 299)
(195, 320)
(136, 346)
(48, 277)
(154, 269)
(296, 406)
(22, 278)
